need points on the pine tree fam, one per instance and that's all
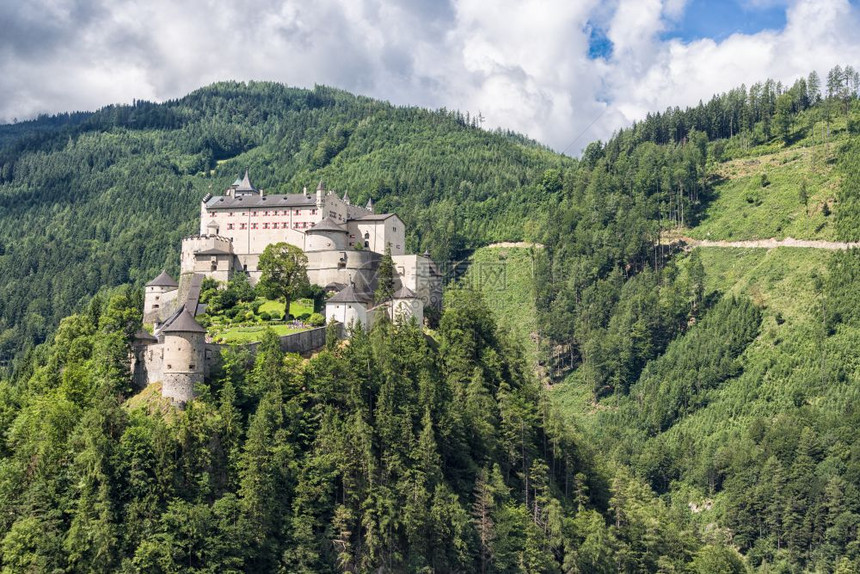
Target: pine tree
(696, 271)
(385, 277)
(482, 516)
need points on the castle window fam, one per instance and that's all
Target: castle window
(243, 226)
(155, 306)
(275, 225)
(313, 211)
(253, 226)
(229, 226)
(169, 367)
(230, 214)
(366, 235)
(367, 243)
(265, 226)
(191, 367)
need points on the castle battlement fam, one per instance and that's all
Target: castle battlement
(206, 236)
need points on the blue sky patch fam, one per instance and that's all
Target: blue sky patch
(719, 20)
(599, 45)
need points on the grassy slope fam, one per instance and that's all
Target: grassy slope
(505, 276)
(742, 209)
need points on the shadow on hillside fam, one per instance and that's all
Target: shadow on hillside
(707, 195)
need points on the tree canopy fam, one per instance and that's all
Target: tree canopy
(283, 273)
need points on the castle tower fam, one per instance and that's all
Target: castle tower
(369, 206)
(153, 293)
(184, 355)
(320, 190)
(245, 187)
(212, 228)
(346, 198)
(349, 307)
(326, 235)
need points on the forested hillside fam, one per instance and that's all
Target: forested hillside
(92, 201)
(725, 378)
(396, 451)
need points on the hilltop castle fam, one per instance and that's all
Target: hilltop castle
(344, 244)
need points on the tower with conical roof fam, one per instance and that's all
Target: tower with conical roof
(154, 293)
(349, 307)
(184, 356)
(326, 235)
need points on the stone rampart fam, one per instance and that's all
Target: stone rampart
(301, 343)
(180, 386)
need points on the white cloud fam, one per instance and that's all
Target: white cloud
(523, 64)
(818, 35)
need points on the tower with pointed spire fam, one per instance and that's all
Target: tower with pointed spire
(243, 186)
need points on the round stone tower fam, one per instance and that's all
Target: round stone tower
(184, 355)
(326, 235)
(153, 298)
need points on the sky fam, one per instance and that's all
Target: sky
(564, 72)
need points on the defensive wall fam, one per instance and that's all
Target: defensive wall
(148, 359)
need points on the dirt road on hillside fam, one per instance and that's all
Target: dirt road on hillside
(525, 244)
(772, 243)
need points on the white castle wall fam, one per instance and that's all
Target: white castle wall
(156, 299)
(418, 274)
(348, 314)
(324, 241)
(374, 235)
(190, 245)
(327, 267)
(146, 364)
